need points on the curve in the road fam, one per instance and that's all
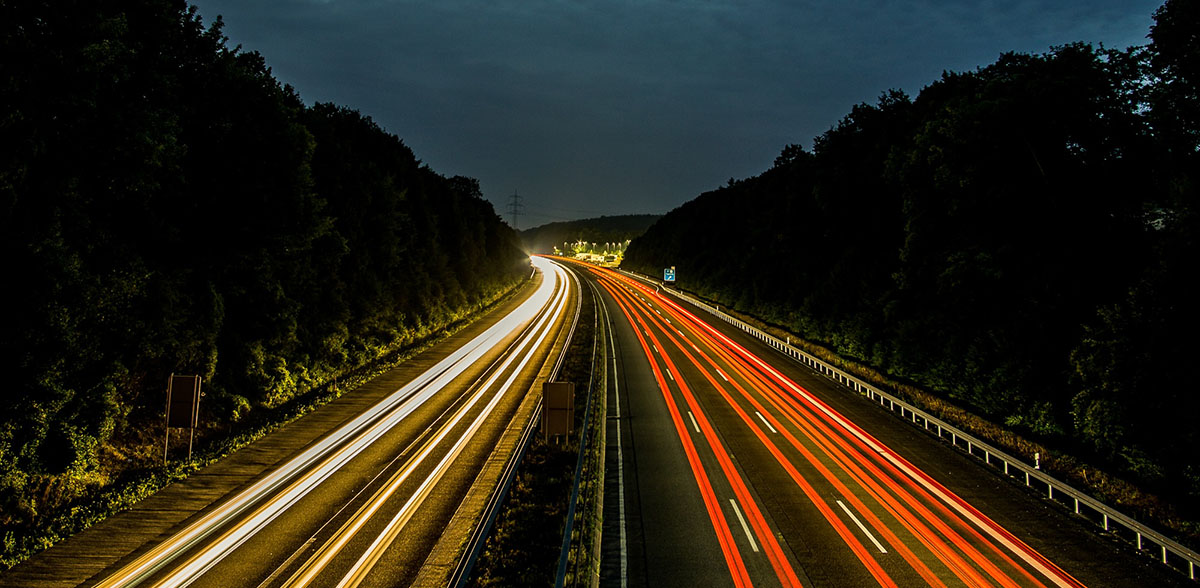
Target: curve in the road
(218, 533)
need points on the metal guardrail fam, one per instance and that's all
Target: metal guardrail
(1173, 554)
(586, 560)
(478, 539)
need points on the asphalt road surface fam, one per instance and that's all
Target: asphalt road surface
(730, 464)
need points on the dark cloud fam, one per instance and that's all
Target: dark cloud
(607, 107)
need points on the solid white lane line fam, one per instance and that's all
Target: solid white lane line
(764, 420)
(862, 527)
(620, 456)
(621, 503)
(693, 417)
(745, 527)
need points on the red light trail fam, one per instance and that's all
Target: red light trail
(937, 535)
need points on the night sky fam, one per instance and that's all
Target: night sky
(589, 108)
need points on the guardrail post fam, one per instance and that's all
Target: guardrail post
(1051, 486)
(1105, 518)
(1139, 541)
(1164, 548)
(1076, 506)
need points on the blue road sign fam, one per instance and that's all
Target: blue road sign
(669, 274)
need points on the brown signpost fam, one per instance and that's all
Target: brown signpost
(183, 408)
(558, 408)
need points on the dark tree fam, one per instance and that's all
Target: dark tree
(167, 206)
(1016, 238)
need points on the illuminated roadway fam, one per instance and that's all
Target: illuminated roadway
(730, 465)
(365, 504)
(727, 464)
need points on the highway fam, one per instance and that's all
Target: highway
(727, 464)
(366, 504)
(730, 465)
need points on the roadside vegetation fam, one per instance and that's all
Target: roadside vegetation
(1015, 244)
(167, 206)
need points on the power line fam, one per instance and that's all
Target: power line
(514, 209)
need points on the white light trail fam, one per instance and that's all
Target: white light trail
(535, 339)
(289, 483)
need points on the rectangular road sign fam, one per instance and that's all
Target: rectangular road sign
(558, 408)
(669, 274)
(183, 401)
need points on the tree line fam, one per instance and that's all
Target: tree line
(1021, 238)
(569, 237)
(166, 205)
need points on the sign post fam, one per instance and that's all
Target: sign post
(558, 409)
(183, 408)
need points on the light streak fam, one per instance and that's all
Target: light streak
(733, 558)
(834, 435)
(778, 560)
(534, 340)
(268, 498)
